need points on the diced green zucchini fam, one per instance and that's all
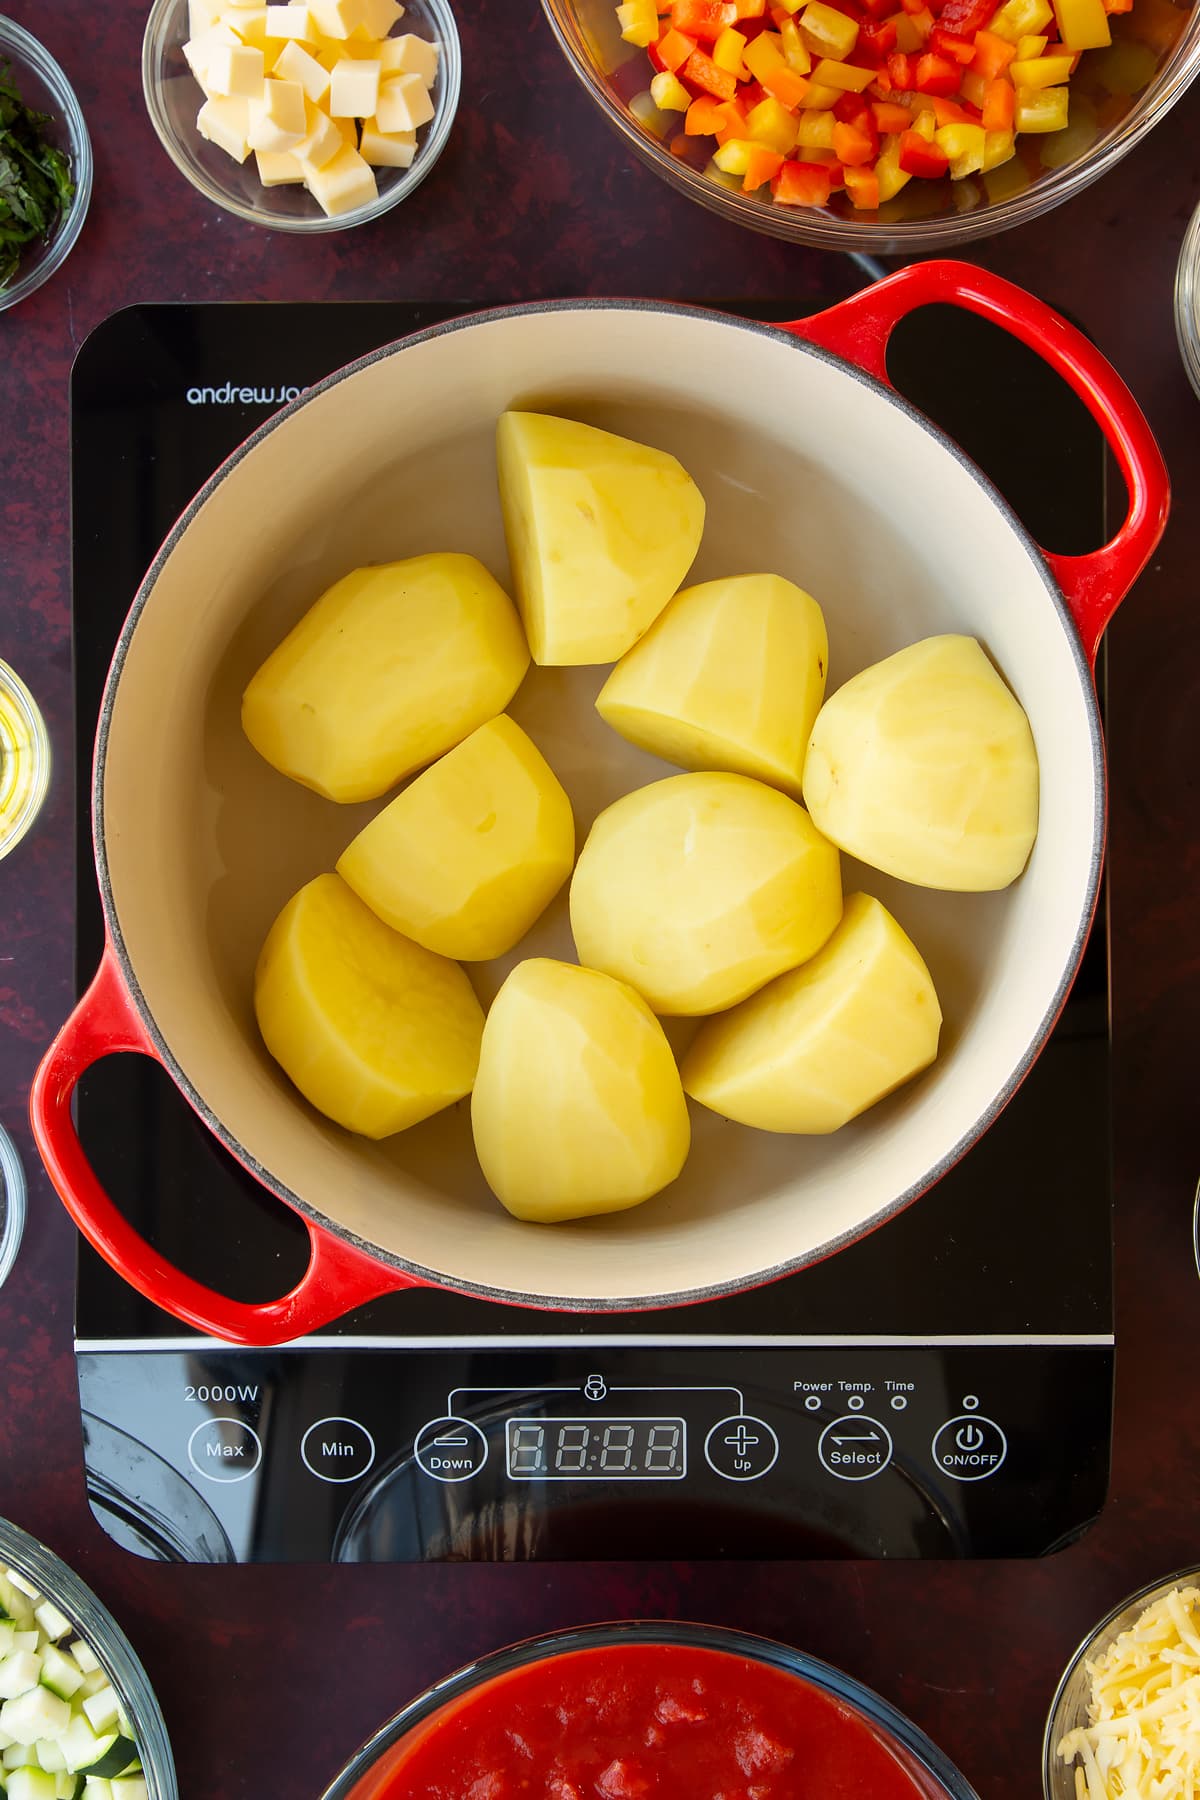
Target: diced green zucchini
(50, 1756)
(19, 1671)
(23, 1583)
(97, 1790)
(128, 1787)
(115, 1758)
(55, 1624)
(35, 1714)
(27, 1640)
(17, 1756)
(7, 1632)
(69, 1787)
(101, 1709)
(60, 1673)
(85, 1656)
(31, 1784)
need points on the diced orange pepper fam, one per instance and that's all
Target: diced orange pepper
(761, 167)
(852, 146)
(999, 105)
(705, 19)
(733, 122)
(704, 117)
(751, 9)
(863, 189)
(992, 55)
(890, 118)
(783, 84)
(949, 112)
(801, 184)
(703, 72)
(674, 49)
(1118, 6)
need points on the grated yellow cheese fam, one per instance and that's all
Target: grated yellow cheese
(1142, 1739)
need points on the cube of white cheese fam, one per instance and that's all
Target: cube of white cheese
(288, 22)
(251, 26)
(354, 88)
(226, 123)
(379, 16)
(278, 167)
(403, 104)
(322, 140)
(409, 55)
(200, 50)
(344, 184)
(235, 72)
(295, 63)
(277, 119)
(336, 18)
(387, 149)
(203, 15)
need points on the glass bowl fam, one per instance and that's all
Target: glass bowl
(931, 1775)
(93, 1622)
(1069, 1708)
(1117, 94)
(24, 758)
(173, 99)
(45, 89)
(12, 1204)
(1187, 330)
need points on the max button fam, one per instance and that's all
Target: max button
(224, 1450)
(969, 1448)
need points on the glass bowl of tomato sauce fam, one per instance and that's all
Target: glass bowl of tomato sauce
(649, 1711)
(1110, 98)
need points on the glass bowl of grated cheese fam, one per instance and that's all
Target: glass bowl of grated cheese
(1125, 1721)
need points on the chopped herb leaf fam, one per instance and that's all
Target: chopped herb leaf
(36, 189)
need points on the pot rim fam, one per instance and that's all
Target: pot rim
(418, 1272)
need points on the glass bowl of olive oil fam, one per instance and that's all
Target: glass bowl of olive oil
(24, 759)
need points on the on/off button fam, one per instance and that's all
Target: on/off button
(337, 1449)
(969, 1448)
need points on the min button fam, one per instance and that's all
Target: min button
(337, 1449)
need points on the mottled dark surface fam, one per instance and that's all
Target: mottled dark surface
(270, 1676)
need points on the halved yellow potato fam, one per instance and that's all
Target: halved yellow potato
(730, 676)
(577, 1107)
(473, 851)
(698, 889)
(601, 531)
(924, 766)
(393, 665)
(822, 1043)
(375, 1031)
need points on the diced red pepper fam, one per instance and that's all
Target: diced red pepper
(919, 157)
(999, 105)
(966, 17)
(750, 95)
(705, 19)
(890, 119)
(851, 109)
(876, 39)
(862, 185)
(851, 146)
(992, 54)
(704, 73)
(656, 61)
(802, 184)
(948, 44)
(935, 74)
(902, 71)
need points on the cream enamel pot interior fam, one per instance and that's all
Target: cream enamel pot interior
(811, 467)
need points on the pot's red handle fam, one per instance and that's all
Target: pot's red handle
(338, 1276)
(859, 328)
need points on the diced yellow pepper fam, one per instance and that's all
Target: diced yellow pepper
(1042, 72)
(816, 130)
(1041, 109)
(658, 123)
(1021, 18)
(998, 147)
(819, 96)
(890, 176)
(764, 53)
(964, 144)
(973, 88)
(727, 51)
(723, 177)
(733, 157)
(773, 125)
(826, 32)
(847, 76)
(794, 49)
(1082, 24)
(908, 33)
(638, 20)
(925, 123)
(792, 6)
(1029, 47)
(1010, 179)
(669, 93)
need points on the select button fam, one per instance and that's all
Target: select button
(855, 1447)
(337, 1449)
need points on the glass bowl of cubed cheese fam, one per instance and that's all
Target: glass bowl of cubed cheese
(78, 1717)
(308, 116)
(886, 126)
(1125, 1720)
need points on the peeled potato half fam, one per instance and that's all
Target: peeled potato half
(393, 665)
(698, 889)
(473, 851)
(813, 1049)
(601, 531)
(924, 766)
(375, 1031)
(730, 676)
(577, 1107)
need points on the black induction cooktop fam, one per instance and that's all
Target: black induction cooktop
(942, 1388)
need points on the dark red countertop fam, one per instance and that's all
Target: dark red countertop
(270, 1676)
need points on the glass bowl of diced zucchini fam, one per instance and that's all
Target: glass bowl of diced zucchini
(78, 1717)
(302, 117)
(892, 126)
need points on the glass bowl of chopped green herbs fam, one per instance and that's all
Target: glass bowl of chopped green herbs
(45, 165)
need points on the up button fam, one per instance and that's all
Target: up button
(969, 1448)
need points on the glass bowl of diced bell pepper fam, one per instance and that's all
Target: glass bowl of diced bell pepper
(892, 126)
(308, 116)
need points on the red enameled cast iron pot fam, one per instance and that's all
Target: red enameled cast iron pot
(812, 467)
